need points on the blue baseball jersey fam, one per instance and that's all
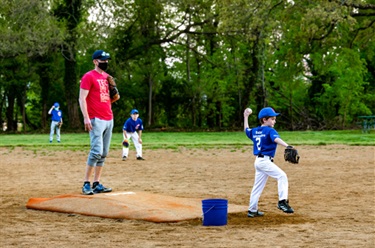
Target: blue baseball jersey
(263, 139)
(131, 126)
(56, 115)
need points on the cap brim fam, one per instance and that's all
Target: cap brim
(273, 115)
(103, 58)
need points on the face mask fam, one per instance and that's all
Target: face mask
(57, 108)
(103, 66)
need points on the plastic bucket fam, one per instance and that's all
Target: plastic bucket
(215, 212)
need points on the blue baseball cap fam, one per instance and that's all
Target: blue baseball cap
(56, 104)
(267, 112)
(100, 54)
(134, 111)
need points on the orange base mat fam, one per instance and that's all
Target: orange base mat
(127, 205)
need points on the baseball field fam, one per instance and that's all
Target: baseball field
(332, 191)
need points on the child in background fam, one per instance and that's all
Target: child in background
(56, 121)
(132, 130)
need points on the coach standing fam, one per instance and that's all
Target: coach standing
(96, 108)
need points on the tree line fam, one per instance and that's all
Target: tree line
(192, 64)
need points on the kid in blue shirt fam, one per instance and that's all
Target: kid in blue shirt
(266, 139)
(132, 130)
(56, 122)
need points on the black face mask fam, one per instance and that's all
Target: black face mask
(103, 66)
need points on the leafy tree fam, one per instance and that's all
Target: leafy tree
(28, 31)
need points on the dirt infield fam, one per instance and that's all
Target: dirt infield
(332, 192)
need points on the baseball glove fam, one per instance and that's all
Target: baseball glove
(113, 91)
(60, 124)
(291, 155)
(125, 143)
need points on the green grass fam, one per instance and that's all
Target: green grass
(174, 140)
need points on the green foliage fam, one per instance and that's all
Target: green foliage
(27, 28)
(348, 69)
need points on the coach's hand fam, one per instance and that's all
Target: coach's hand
(87, 123)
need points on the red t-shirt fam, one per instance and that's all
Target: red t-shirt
(98, 101)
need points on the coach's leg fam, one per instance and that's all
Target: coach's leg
(107, 135)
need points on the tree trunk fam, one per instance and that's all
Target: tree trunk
(22, 101)
(218, 114)
(11, 124)
(73, 18)
(44, 82)
(150, 84)
(71, 93)
(1, 110)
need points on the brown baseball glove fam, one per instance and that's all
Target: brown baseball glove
(113, 91)
(60, 124)
(291, 155)
(125, 143)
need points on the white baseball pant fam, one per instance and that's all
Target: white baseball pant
(265, 168)
(138, 146)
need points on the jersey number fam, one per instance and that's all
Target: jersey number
(258, 143)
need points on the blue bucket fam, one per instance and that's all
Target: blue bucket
(215, 212)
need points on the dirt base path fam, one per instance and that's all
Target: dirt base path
(332, 192)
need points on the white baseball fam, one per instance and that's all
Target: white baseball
(249, 111)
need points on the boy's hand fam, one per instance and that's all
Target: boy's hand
(247, 112)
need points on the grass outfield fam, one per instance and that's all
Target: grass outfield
(174, 140)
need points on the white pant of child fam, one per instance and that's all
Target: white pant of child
(265, 168)
(138, 146)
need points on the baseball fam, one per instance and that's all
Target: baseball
(249, 111)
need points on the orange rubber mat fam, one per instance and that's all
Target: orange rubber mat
(127, 205)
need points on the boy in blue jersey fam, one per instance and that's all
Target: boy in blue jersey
(266, 139)
(56, 121)
(132, 129)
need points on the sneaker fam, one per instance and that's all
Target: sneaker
(140, 158)
(50, 141)
(124, 158)
(58, 141)
(86, 189)
(254, 214)
(101, 189)
(284, 206)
